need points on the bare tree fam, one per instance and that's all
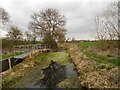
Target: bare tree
(28, 36)
(14, 33)
(31, 36)
(97, 25)
(111, 21)
(4, 17)
(107, 23)
(49, 24)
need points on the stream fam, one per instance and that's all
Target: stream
(53, 76)
(56, 73)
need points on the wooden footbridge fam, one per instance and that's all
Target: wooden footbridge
(24, 52)
(28, 50)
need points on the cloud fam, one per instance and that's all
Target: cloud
(79, 15)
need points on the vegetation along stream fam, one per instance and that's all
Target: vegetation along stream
(52, 70)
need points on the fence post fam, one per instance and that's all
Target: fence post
(9, 63)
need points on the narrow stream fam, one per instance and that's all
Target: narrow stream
(55, 76)
(56, 73)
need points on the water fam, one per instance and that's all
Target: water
(55, 76)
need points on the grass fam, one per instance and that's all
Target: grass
(5, 56)
(94, 56)
(99, 44)
(87, 44)
(45, 58)
(11, 82)
(102, 58)
(8, 55)
(12, 77)
(94, 70)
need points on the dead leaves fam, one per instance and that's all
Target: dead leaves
(92, 74)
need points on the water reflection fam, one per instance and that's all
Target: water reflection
(54, 74)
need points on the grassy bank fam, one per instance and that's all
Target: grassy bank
(20, 72)
(92, 73)
(5, 56)
(97, 51)
(59, 57)
(11, 77)
(8, 55)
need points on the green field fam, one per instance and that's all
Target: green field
(95, 56)
(87, 44)
(102, 58)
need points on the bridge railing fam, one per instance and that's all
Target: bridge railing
(27, 48)
(13, 60)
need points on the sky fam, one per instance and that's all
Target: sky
(79, 14)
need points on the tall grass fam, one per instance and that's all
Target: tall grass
(102, 58)
(101, 45)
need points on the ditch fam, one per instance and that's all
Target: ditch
(53, 70)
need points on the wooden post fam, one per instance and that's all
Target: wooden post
(9, 63)
(31, 54)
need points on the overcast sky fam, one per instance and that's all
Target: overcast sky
(79, 14)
